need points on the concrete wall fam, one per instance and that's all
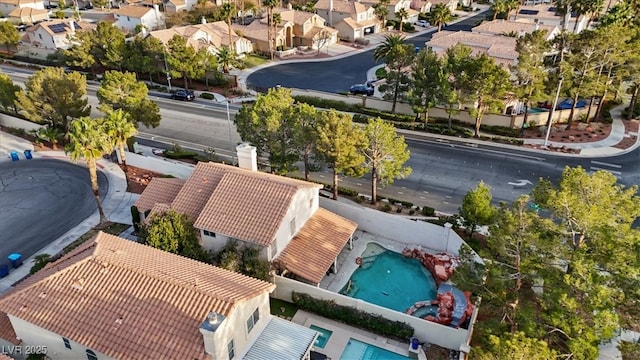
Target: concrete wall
(160, 165)
(440, 335)
(15, 122)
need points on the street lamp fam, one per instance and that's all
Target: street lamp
(553, 109)
(229, 127)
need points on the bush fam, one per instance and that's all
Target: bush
(428, 211)
(636, 112)
(359, 118)
(177, 155)
(41, 261)
(135, 217)
(399, 210)
(348, 315)
(381, 73)
(328, 104)
(408, 27)
(343, 191)
(501, 130)
(207, 96)
(386, 208)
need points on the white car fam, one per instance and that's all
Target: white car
(423, 23)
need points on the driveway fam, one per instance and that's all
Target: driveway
(40, 200)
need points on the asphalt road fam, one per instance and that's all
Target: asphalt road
(336, 75)
(40, 200)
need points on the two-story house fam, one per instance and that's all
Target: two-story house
(308, 29)
(546, 14)
(353, 19)
(210, 36)
(277, 215)
(24, 11)
(7, 6)
(113, 298)
(514, 28)
(258, 33)
(425, 6)
(174, 6)
(45, 38)
(394, 6)
(127, 18)
(501, 48)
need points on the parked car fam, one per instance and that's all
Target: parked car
(184, 95)
(423, 23)
(362, 89)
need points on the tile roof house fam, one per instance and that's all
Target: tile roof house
(258, 33)
(115, 298)
(210, 36)
(47, 37)
(519, 28)
(501, 48)
(545, 14)
(129, 17)
(308, 29)
(424, 6)
(28, 15)
(353, 19)
(279, 216)
(7, 6)
(394, 6)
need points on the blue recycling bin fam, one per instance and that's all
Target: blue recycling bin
(28, 155)
(14, 156)
(15, 260)
(4, 270)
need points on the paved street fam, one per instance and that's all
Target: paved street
(42, 199)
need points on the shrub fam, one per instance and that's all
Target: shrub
(177, 155)
(381, 73)
(408, 27)
(428, 211)
(328, 104)
(358, 318)
(399, 210)
(411, 212)
(501, 130)
(135, 218)
(41, 261)
(386, 208)
(207, 96)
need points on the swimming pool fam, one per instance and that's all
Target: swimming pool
(388, 279)
(357, 350)
(323, 336)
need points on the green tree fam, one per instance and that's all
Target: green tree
(120, 129)
(388, 46)
(440, 15)
(271, 33)
(530, 71)
(476, 209)
(79, 54)
(499, 7)
(174, 233)
(457, 62)
(305, 120)
(339, 144)
(429, 83)
(54, 97)
(489, 83)
(385, 155)
(121, 91)
(510, 6)
(381, 11)
(41, 260)
(226, 58)
(181, 58)
(108, 45)
(398, 55)
(228, 11)
(269, 125)
(515, 346)
(50, 134)
(88, 139)
(402, 14)
(9, 35)
(144, 55)
(8, 93)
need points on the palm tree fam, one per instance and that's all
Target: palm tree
(276, 20)
(270, 4)
(402, 14)
(381, 11)
(499, 7)
(120, 129)
(226, 12)
(89, 140)
(226, 58)
(511, 5)
(387, 47)
(440, 15)
(50, 134)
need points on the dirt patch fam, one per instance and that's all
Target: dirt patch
(630, 126)
(138, 179)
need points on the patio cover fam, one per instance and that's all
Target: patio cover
(282, 340)
(317, 245)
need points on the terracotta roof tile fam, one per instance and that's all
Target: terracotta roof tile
(5, 357)
(249, 205)
(148, 303)
(343, 6)
(6, 330)
(159, 190)
(501, 27)
(27, 11)
(132, 11)
(326, 233)
(196, 191)
(501, 48)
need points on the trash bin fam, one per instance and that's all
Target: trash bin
(14, 156)
(4, 270)
(28, 155)
(415, 343)
(15, 259)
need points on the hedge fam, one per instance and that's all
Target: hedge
(176, 155)
(376, 324)
(207, 96)
(328, 104)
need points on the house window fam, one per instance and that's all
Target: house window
(40, 36)
(292, 225)
(128, 19)
(252, 320)
(209, 233)
(66, 342)
(231, 351)
(310, 203)
(91, 355)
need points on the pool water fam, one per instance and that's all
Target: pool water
(357, 350)
(537, 110)
(323, 336)
(388, 279)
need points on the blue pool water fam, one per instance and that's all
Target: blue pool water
(388, 279)
(357, 350)
(323, 336)
(537, 110)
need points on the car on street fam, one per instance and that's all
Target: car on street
(361, 89)
(184, 95)
(423, 23)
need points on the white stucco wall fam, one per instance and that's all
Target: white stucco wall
(303, 205)
(37, 336)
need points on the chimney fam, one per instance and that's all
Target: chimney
(289, 6)
(72, 27)
(203, 20)
(156, 11)
(247, 157)
(208, 329)
(330, 13)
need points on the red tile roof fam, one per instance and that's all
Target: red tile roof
(315, 247)
(6, 330)
(128, 300)
(159, 190)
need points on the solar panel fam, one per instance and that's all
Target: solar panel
(528, 12)
(58, 28)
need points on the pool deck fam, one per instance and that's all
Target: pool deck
(343, 332)
(347, 258)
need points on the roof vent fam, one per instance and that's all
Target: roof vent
(78, 284)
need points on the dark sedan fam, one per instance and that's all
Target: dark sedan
(184, 95)
(362, 89)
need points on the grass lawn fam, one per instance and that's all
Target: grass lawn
(253, 60)
(109, 228)
(277, 306)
